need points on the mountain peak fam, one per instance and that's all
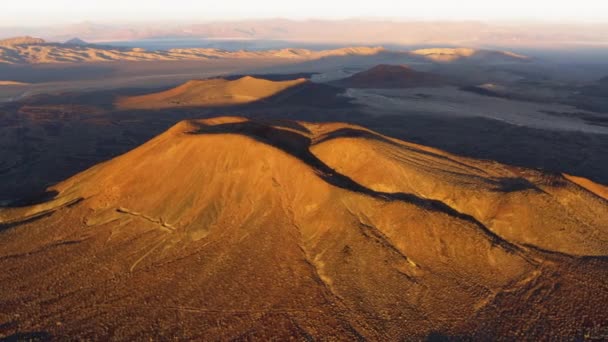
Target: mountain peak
(76, 41)
(391, 76)
(279, 227)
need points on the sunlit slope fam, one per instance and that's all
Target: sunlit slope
(212, 92)
(552, 212)
(229, 228)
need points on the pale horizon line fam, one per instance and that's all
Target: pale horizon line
(371, 19)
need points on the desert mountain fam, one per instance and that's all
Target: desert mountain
(391, 76)
(76, 41)
(18, 41)
(227, 91)
(28, 50)
(443, 55)
(231, 228)
(32, 51)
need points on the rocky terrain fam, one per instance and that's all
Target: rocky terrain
(234, 228)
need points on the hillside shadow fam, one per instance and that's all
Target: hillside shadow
(514, 184)
(81, 140)
(439, 337)
(310, 94)
(33, 199)
(550, 151)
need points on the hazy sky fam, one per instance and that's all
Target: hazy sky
(41, 12)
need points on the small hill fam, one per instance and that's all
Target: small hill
(26, 40)
(238, 229)
(76, 42)
(444, 55)
(391, 76)
(211, 92)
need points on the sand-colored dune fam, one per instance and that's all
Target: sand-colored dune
(231, 228)
(211, 92)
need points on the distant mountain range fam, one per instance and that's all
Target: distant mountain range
(29, 50)
(423, 33)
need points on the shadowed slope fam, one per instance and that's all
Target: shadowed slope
(229, 228)
(391, 76)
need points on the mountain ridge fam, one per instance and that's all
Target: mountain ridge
(34, 51)
(286, 228)
(28, 50)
